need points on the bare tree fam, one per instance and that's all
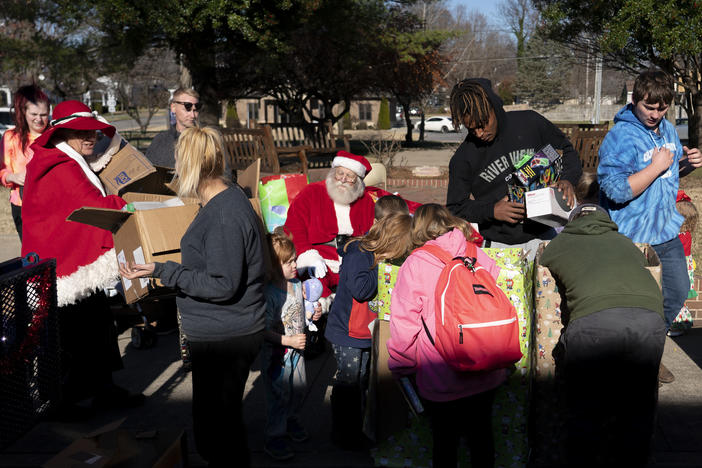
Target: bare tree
(522, 19)
(143, 89)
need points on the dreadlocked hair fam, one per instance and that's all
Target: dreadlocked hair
(468, 98)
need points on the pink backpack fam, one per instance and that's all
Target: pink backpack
(476, 325)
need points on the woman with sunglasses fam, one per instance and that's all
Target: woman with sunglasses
(185, 106)
(31, 118)
(60, 179)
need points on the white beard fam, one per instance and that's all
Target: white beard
(341, 193)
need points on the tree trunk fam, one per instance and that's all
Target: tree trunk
(694, 122)
(408, 121)
(421, 126)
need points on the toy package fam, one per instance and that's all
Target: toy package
(534, 171)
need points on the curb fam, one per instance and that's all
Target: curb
(438, 183)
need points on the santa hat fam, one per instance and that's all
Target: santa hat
(74, 115)
(358, 164)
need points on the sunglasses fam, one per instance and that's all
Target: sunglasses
(189, 105)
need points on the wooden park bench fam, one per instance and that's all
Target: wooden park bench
(587, 144)
(139, 140)
(586, 139)
(245, 145)
(318, 140)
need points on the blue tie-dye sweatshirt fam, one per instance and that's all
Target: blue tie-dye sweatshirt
(628, 147)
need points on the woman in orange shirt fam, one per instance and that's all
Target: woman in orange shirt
(31, 118)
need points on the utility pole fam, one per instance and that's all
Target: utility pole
(598, 89)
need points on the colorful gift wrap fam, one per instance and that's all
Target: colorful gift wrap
(547, 410)
(277, 192)
(413, 446)
(387, 276)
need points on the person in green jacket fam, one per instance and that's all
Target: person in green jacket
(610, 349)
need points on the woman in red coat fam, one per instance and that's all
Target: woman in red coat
(59, 180)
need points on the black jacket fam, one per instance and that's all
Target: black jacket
(480, 169)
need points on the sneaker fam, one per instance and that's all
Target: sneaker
(296, 432)
(278, 449)
(664, 375)
(675, 332)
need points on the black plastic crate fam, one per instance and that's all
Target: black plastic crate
(30, 364)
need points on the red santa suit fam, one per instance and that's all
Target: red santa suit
(55, 185)
(314, 221)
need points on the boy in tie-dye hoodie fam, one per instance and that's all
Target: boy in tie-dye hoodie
(638, 176)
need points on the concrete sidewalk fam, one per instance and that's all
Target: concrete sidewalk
(158, 374)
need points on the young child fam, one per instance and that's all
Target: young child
(453, 398)
(348, 322)
(283, 360)
(684, 205)
(390, 204)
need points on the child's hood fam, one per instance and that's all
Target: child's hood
(592, 224)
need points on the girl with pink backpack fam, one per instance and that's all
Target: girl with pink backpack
(453, 398)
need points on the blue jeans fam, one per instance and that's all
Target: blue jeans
(674, 277)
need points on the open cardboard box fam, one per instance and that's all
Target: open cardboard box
(112, 446)
(547, 206)
(144, 236)
(130, 171)
(248, 180)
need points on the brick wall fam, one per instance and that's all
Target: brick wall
(695, 305)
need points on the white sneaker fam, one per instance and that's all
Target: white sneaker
(673, 333)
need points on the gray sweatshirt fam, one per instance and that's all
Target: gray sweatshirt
(220, 281)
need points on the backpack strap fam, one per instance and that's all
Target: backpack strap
(437, 252)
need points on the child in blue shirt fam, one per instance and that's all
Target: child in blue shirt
(283, 360)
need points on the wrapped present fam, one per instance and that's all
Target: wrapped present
(387, 276)
(691, 273)
(547, 409)
(276, 193)
(510, 410)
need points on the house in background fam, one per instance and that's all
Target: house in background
(363, 112)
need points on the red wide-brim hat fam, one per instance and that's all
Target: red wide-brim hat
(74, 115)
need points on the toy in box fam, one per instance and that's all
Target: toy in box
(534, 171)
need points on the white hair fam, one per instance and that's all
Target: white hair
(342, 193)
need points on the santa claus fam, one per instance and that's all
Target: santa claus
(327, 213)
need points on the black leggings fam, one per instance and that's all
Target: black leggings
(219, 373)
(473, 416)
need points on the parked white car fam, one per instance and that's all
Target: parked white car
(438, 124)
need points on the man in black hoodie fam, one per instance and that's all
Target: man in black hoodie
(496, 140)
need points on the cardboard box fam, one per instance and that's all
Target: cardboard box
(143, 236)
(129, 170)
(547, 206)
(112, 446)
(248, 180)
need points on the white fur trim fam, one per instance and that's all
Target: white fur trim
(100, 274)
(326, 303)
(104, 159)
(343, 218)
(350, 164)
(309, 258)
